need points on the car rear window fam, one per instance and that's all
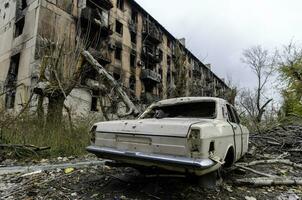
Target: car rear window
(205, 109)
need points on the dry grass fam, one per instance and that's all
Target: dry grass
(62, 140)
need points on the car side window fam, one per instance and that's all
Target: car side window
(236, 115)
(230, 114)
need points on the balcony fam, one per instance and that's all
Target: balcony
(152, 55)
(148, 74)
(102, 56)
(96, 19)
(152, 32)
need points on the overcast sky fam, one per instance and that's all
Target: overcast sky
(217, 31)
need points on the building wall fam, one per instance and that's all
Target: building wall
(124, 16)
(57, 20)
(24, 44)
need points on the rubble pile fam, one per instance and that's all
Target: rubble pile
(274, 157)
(279, 140)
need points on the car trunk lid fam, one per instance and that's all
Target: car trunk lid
(169, 127)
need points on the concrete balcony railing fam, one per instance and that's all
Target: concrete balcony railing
(148, 74)
(152, 54)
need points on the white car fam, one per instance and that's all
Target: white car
(195, 135)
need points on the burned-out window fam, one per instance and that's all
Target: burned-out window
(24, 4)
(94, 102)
(160, 71)
(120, 4)
(169, 60)
(133, 37)
(116, 76)
(19, 26)
(118, 27)
(168, 77)
(11, 82)
(134, 15)
(203, 109)
(160, 55)
(118, 53)
(132, 83)
(132, 61)
(168, 43)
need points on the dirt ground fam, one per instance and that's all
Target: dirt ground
(125, 183)
(103, 182)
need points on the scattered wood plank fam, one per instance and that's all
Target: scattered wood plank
(254, 171)
(274, 161)
(269, 181)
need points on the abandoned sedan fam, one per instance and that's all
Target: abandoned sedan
(195, 135)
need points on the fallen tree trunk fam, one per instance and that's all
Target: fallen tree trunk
(113, 83)
(274, 161)
(268, 181)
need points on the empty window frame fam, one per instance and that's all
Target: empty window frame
(120, 4)
(23, 4)
(116, 76)
(168, 43)
(132, 60)
(19, 26)
(134, 15)
(132, 83)
(118, 53)
(118, 27)
(169, 60)
(133, 37)
(94, 102)
(11, 81)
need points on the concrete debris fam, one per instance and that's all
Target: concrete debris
(288, 196)
(30, 169)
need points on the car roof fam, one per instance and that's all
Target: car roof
(181, 100)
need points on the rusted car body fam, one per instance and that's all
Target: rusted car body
(195, 135)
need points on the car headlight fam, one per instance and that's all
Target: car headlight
(194, 140)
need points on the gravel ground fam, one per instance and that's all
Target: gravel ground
(103, 182)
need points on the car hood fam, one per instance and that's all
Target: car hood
(176, 127)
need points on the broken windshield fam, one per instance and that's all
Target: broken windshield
(204, 109)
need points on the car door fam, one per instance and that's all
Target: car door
(237, 137)
(237, 119)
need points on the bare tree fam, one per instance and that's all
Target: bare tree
(261, 63)
(232, 92)
(179, 88)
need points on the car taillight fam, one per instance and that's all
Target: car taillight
(194, 141)
(93, 134)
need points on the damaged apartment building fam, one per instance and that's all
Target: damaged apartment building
(136, 49)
